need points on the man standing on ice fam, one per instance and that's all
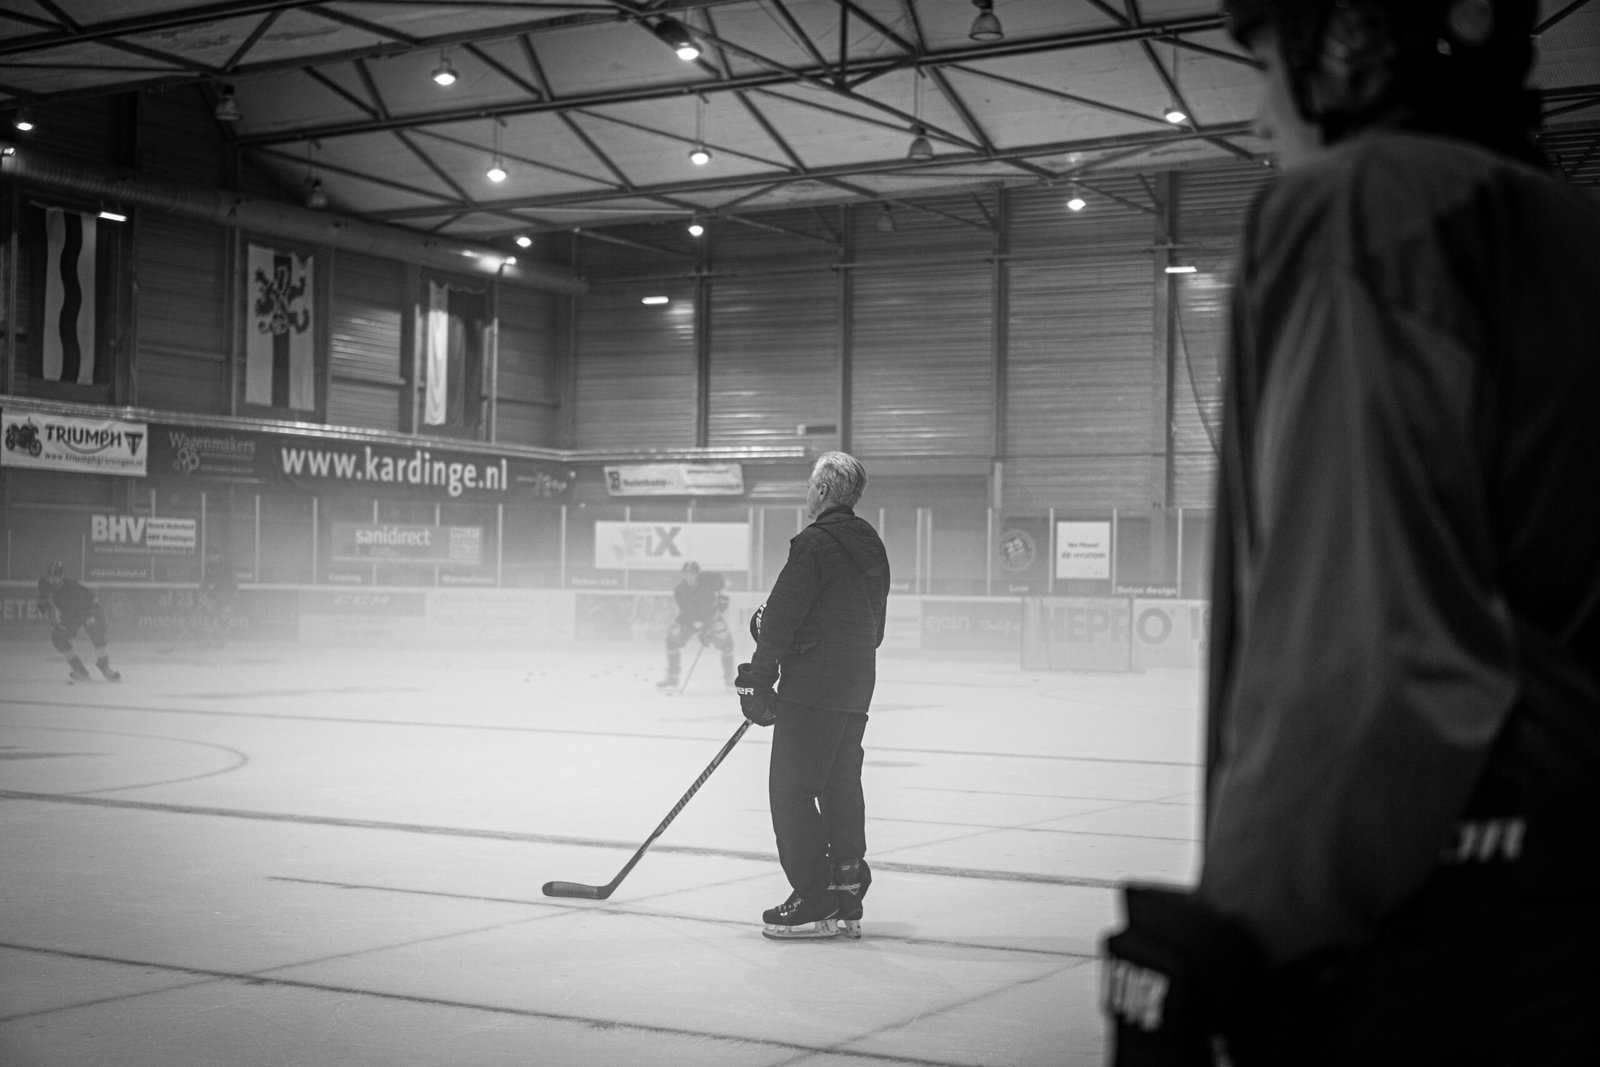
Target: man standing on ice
(816, 641)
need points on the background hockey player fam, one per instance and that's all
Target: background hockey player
(702, 600)
(1403, 766)
(219, 589)
(816, 640)
(70, 606)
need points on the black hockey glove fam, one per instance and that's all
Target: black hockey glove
(1177, 979)
(757, 700)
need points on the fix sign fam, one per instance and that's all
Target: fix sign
(667, 546)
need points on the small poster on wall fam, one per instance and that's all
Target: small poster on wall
(1083, 549)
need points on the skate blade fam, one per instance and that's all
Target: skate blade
(850, 928)
(804, 932)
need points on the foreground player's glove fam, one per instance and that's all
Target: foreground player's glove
(757, 700)
(1176, 980)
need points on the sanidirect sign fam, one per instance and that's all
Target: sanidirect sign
(68, 443)
(394, 542)
(676, 479)
(1083, 550)
(667, 546)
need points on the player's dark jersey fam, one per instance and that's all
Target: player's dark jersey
(702, 601)
(1408, 532)
(71, 599)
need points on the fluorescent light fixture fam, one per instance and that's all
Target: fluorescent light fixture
(654, 300)
(1181, 268)
(112, 216)
(511, 261)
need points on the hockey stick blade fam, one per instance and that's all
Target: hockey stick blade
(602, 892)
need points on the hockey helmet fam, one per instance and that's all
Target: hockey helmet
(691, 567)
(1351, 62)
(57, 569)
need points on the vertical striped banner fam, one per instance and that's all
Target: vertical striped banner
(436, 368)
(69, 297)
(280, 361)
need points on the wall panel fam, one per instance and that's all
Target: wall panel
(528, 403)
(634, 376)
(182, 363)
(364, 349)
(774, 358)
(922, 363)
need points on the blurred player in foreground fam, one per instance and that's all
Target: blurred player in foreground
(1403, 766)
(70, 606)
(816, 640)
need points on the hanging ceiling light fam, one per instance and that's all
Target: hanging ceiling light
(1174, 114)
(677, 36)
(22, 122)
(885, 223)
(227, 109)
(699, 155)
(696, 228)
(1181, 268)
(444, 73)
(1075, 200)
(497, 171)
(524, 241)
(921, 147)
(316, 198)
(986, 27)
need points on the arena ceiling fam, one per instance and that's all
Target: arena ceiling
(592, 114)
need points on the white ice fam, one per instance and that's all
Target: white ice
(286, 855)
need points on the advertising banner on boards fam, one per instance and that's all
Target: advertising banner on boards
(1083, 549)
(676, 479)
(38, 441)
(667, 546)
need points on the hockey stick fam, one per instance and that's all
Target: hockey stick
(690, 672)
(602, 892)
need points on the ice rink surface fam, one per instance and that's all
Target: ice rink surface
(294, 856)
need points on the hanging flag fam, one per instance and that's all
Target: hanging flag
(280, 363)
(436, 372)
(69, 297)
(454, 356)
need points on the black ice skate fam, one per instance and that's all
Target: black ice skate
(80, 673)
(850, 882)
(669, 684)
(797, 919)
(105, 669)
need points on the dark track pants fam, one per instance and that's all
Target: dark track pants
(814, 787)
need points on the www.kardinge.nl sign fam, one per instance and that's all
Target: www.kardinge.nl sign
(397, 542)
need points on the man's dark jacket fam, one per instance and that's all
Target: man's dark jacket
(823, 622)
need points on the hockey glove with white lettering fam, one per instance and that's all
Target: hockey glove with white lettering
(1178, 982)
(756, 699)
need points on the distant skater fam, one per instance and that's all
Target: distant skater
(71, 606)
(702, 601)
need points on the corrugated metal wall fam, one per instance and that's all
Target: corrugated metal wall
(922, 365)
(774, 358)
(529, 402)
(366, 364)
(183, 286)
(635, 378)
(1079, 376)
(1213, 208)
